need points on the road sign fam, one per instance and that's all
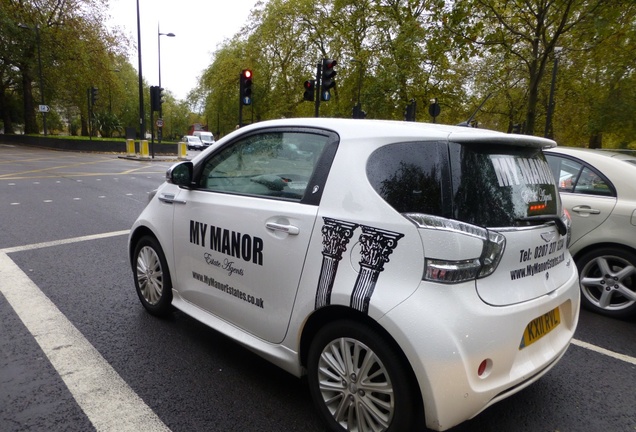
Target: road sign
(159, 122)
(44, 108)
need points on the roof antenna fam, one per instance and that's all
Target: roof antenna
(470, 119)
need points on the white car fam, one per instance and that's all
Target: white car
(193, 142)
(598, 188)
(206, 138)
(405, 268)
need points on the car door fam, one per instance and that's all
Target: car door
(241, 236)
(587, 194)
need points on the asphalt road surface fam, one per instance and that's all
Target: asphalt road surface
(79, 353)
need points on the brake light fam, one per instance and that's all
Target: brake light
(455, 271)
(567, 220)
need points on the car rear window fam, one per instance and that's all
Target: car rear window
(500, 185)
(481, 184)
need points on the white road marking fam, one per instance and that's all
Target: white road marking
(65, 241)
(617, 356)
(108, 402)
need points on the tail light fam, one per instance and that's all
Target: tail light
(455, 271)
(567, 220)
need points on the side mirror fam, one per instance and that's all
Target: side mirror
(180, 174)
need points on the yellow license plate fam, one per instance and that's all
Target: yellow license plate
(539, 327)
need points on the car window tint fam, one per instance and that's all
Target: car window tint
(590, 182)
(575, 177)
(500, 185)
(565, 172)
(273, 164)
(409, 176)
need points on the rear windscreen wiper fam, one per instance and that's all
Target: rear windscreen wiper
(561, 227)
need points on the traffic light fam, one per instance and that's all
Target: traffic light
(434, 109)
(409, 113)
(328, 82)
(245, 87)
(310, 90)
(94, 95)
(161, 97)
(155, 97)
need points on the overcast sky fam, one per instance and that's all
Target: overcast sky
(199, 27)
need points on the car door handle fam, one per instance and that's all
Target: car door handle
(585, 209)
(169, 199)
(289, 229)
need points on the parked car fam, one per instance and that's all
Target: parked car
(598, 188)
(405, 268)
(193, 142)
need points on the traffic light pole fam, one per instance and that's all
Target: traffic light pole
(90, 114)
(318, 86)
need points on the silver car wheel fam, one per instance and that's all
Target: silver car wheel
(355, 386)
(608, 282)
(149, 275)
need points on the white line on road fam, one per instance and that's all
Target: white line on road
(62, 242)
(108, 402)
(604, 351)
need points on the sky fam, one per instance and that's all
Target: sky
(200, 26)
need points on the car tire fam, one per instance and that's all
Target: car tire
(152, 277)
(343, 359)
(608, 282)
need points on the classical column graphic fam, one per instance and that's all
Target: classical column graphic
(335, 237)
(376, 246)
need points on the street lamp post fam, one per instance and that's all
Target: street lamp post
(548, 133)
(159, 34)
(37, 42)
(142, 120)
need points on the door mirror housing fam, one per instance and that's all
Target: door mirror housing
(180, 174)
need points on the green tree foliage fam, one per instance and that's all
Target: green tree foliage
(499, 55)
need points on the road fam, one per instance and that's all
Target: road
(79, 353)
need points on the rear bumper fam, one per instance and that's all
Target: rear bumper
(452, 332)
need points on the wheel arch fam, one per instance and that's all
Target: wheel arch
(597, 246)
(336, 312)
(137, 234)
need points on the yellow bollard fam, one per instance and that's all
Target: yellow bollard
(130, 147)
(143, 150)
(183, 150)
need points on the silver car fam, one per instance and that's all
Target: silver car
(598, 188)
(193, 142)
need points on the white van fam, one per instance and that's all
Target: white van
(206, 137)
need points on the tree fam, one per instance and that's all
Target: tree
(523, 31)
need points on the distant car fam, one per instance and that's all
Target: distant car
(193, 142)
(206, 138)
(598, 188)
(406, 268)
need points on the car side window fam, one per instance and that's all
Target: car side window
(574, 177)
(272, 165)
(591, 183)
(409, 176)
(565, 172)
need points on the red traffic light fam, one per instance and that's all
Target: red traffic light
(247, 74)
(329, 63)
(310, 90)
